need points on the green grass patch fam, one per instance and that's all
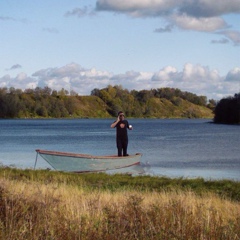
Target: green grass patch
(102, 181)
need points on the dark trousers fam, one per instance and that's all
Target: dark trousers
(122, 145)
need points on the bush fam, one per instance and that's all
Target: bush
(228, 110)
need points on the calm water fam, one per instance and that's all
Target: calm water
(174, 148)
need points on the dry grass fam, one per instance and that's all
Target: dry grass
(31, 210)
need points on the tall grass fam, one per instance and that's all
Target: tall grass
(92, 181)
(70, 207)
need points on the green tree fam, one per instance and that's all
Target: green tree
(228, 110)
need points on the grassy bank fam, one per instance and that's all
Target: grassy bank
(53, 205)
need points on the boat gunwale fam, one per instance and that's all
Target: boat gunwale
(79, 155)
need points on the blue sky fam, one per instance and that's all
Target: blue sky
(193, 45)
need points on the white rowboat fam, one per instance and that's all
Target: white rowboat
(75, 162)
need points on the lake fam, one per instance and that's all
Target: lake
(185, 148)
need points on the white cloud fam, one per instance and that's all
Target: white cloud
(15, 66)
(234, 36)
(199, 73)
(198, 15)
(81, 12)
(199, 24)
(208, 8)
(21, 81)
(221, 41)
(192, 78)
(4, 81)
(167, 28)
(198, 8)
(21, 77)
(166, 74)
(132, 80)
(6, 18)
(234, 76)
(74, 77)
(138, 8)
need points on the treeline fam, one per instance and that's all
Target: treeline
(48, 103)
(103, 103)
(227, 110)
(162, 102)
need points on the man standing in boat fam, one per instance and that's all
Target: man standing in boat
(121, 125)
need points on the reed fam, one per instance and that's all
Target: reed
(31, 208)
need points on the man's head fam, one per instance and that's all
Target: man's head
(121, 114)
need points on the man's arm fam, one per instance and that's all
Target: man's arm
(113, 125)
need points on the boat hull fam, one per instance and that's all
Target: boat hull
(73, 162)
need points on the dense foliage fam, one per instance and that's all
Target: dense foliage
(102, 103)
(228, 110)
(159, 103)
(48, 103)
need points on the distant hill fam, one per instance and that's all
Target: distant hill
(155, 103)
(103, 103)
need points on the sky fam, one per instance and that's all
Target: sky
(80, 45)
